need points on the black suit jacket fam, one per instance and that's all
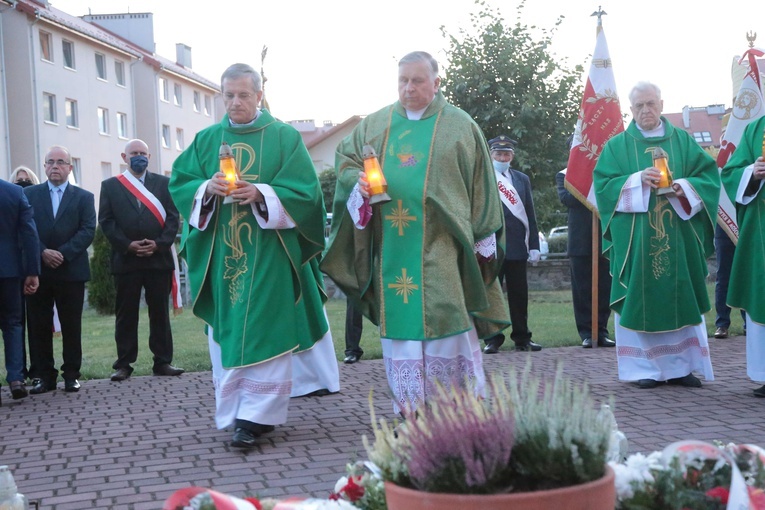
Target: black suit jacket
(71, 232)
(123, 221)
(515, 232)
(19, 247)
(579, 221)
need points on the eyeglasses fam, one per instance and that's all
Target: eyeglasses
(56, 162)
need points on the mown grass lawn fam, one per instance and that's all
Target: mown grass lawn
(551, 320)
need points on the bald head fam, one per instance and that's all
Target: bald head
(136, 156)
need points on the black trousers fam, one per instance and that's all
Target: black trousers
(514, 273)
(353, 329)
(581, 293)
(68, 298)
(157, 285)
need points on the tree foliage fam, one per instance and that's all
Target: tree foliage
(101, 290)
(507, 79)
(327, 179)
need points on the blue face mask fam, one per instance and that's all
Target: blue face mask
(138, 164)
(500, 166)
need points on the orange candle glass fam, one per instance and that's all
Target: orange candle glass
(661, 161)
(378, 186)
(228, 166)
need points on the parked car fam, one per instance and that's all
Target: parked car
(558, 231)
(557, 240)
(544, 248)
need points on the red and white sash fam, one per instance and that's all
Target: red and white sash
(152, 203)
(512, 200)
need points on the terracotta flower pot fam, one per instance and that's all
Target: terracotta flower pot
(597, 495)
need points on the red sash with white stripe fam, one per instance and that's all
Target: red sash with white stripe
(152, 203)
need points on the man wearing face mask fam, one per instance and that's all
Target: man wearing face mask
(522, 243)
(140, 221)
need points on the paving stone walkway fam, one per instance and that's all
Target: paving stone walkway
(129, 445)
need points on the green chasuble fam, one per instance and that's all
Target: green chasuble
(412, 270)
(658, 260)
(748, 270)
(259, 289)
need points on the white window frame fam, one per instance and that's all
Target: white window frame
(71, 111)
(177, 95)
(197, 102)
(119, 72)
(49, 108)
(165, 136)
(164, 91)
(64, 43)
(179, 140)
(99, 75)
(122, 125)
(46, 46)
(103, 120)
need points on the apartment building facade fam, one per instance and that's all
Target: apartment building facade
(84, 85)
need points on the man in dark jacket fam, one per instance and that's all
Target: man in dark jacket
(580, 260)
(140, 221)
(522, 243)
(19, 251)
(66, 224)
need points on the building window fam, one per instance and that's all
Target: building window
(702, 136)
(72, 118)
(103, 121)
(101, 66)
(165, 136)
(119, 72)
(122, 126)
(164, 93)
(76, 171)
(106, 170)
(46, 43)
(49, 107)
(179, 144)
(208, 105)
(197, 102)
(68, 47)
(177, 95)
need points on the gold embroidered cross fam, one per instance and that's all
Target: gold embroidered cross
(403, 286)
(400, 218)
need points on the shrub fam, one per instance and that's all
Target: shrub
(101, 291)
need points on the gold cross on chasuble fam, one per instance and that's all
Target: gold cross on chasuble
(404, 286)
(400, 217)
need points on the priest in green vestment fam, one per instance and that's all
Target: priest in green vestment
(657, 244)
(423, 266)
(742, 178)
(252, 249)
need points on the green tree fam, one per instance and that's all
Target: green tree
(327, 179)
(101, 291)
(507, 79)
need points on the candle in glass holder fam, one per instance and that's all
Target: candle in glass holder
(228, 166)
(763, 145)
(378, 186)
(661, 161)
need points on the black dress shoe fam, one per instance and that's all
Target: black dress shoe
(606, 342)
(587, 343)
(647, 384)
(121, 374)
(759, 392)
(530, 346)
(243, 438)
(689, 381)
(18, 390)
(168, 370)
(71, 385)
(351, 359)
(491, 347)
(40, 386)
